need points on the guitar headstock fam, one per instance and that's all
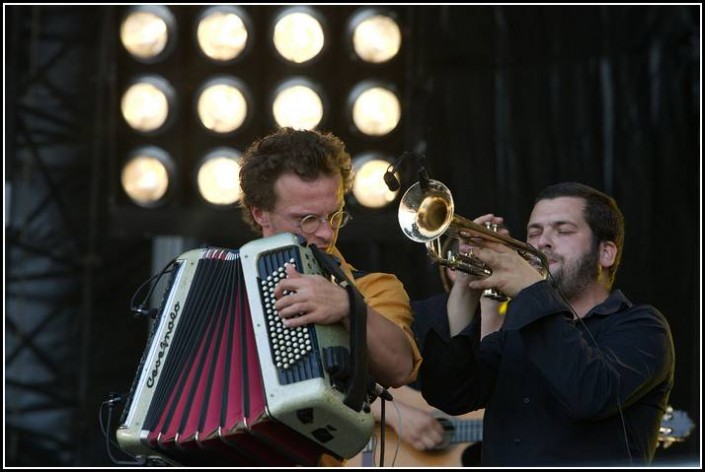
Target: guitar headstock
(676, 425)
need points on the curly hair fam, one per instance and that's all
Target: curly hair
(308, 154)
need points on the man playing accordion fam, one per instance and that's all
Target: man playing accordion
(294, 181)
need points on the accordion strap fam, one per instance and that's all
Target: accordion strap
(356, 389)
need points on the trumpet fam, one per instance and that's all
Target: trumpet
(427, 215)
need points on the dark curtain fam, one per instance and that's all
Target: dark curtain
(510, 99)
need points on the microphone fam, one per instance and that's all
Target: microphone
(143, 311)
(376, 390)
(391, 180)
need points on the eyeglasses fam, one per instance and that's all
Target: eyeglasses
(310, 223)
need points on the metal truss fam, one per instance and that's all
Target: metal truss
(52, 195)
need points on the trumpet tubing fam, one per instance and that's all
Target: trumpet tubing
(427, 214)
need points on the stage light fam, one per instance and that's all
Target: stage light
(298, 34)
(147, 176)
(298, 103)
(375, 36)
(218, 180)
(232, 74)
(223, 104)
(147, 32)
(369, 188)
(147, 103)
(223, 32)
(375, 108)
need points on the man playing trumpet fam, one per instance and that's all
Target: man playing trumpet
(574, 374)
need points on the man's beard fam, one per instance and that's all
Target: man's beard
(572, 279)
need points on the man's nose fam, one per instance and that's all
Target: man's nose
(545, 240)
(324, 230)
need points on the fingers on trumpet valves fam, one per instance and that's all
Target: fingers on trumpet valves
(468, 252)
(497, 228)
(466, 249)
(468, 236)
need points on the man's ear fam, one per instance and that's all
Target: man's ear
(261, 217)
(608, 253)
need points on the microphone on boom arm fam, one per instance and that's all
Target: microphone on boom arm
(391, 180)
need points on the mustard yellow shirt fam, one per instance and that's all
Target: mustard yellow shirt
(386, 295)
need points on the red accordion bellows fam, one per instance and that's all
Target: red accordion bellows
(207, 395)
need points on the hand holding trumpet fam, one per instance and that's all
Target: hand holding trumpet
(464, 297)
(467, 241)
(427, 215)
(511, 272)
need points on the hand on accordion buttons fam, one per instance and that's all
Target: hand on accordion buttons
(307, 298)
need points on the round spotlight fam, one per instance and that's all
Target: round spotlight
(147, 176)
(298, 103)
(147, 103)
(218, 177)
(223, 104)
(298, 34)
(222, 32)
(375, 36)
(369, 188)
(147, 32)
(375, 109)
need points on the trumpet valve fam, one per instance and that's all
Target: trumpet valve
(495, 294)
(491, 226)
(469, 264)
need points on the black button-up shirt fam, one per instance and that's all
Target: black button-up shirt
(556, 390)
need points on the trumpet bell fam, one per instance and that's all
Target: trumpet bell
(426, 212)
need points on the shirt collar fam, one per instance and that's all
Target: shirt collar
(615, 303)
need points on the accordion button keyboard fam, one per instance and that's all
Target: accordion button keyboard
(288, 344)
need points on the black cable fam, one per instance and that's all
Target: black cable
(142, 309)
(105, 429)
(383, 425)
(554, 284)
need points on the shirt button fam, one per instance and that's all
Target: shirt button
(526, 400)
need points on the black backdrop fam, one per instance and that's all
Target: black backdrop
(504, 100)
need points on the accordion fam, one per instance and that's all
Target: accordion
(222, 382)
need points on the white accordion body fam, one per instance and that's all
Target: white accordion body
(223, 382)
